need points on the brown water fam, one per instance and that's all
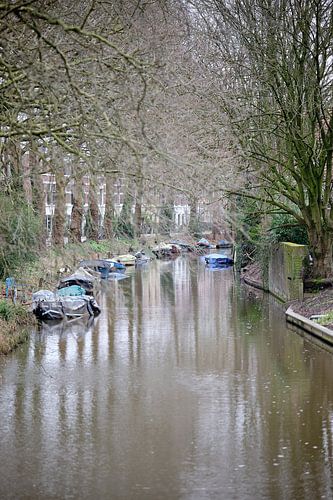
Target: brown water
(188, 386)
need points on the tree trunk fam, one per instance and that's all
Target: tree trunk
(321, 246)
(77, 210)
(59, 212)
(38, 191)
(193, 222)
(109, 208)
(138, 209)
(93, 213)
(27, 184)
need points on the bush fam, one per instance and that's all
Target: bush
(11, 312)
(20, 232)
(102, 246)
(284, 227)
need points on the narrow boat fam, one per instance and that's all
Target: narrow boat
(71, 291)
(218, 260)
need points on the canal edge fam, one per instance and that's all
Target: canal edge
(309, 326)
(314, 329)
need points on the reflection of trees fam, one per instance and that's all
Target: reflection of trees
(167, 285)
(194, 277)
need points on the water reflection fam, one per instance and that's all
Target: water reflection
(188, 385)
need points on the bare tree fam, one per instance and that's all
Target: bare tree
(275, 63)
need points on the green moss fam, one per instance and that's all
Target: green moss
(326, 319)
(289, 244)
(318, 281)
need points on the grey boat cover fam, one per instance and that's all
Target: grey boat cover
(80, 279)
(43, 295)
(49, 306)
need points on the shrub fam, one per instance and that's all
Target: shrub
(284, 227)
(12, 312)
(20, 231)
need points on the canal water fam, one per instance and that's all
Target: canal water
(188, 386)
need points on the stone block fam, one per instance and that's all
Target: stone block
(285, 271)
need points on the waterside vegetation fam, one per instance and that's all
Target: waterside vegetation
(14, 323)
(44, 271)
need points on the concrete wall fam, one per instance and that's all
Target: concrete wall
(285, 271)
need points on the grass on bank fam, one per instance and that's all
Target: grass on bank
(325, 319)
(44, 272)
(13, 319)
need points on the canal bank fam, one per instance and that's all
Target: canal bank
(44, 273)
(318, 305)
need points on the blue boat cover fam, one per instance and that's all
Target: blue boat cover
(218, 259)
(71, 291)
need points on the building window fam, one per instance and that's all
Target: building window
(50, 194)
(48, 224)
(101, 196)
(69, 198)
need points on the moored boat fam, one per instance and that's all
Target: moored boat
(183, 246)
(126, 259)
(78, 306)
(80, 278)
(218, 260)
(101, 266)
(204, 243)
(166, 250)
(224, 244)
(141, 258)
(49, 305)
(116, 266)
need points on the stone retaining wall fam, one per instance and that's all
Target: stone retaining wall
(285, 279)
(319, 331)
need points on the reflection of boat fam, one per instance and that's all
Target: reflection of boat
(218, 260)
(224, 244)
(74, 326)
